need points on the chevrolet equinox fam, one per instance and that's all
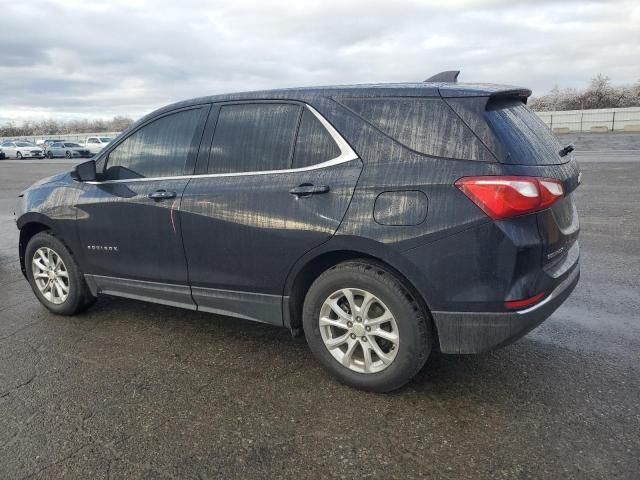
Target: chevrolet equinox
(383, 221)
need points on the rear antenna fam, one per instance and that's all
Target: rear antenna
(450, 76)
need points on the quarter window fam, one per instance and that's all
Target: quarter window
(253, 137)
(159, 149)
(314, 144)
(426, 125)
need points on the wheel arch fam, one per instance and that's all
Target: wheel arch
(311, 265)
(30, 224)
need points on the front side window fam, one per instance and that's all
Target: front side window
(93, 140)
(253, 137)
(314, 143)
(159, 149)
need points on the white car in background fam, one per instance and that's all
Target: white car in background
(95, 144)
(21, 149)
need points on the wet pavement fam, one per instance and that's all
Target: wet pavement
(135, 390)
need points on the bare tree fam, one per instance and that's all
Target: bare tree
(57, 127)
(599, 94)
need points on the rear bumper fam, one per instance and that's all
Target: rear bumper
(476, 332)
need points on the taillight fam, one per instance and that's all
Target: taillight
(524, 302)
(504, 197)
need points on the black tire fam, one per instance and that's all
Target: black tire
(79, 297)
(49, 155)
(414, 327)
(19, 156)
(68, 154)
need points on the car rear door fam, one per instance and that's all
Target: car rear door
(9, 149)
(128, 221)
(249, 215)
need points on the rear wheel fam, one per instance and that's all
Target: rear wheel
(19, 156)
(50, 155)
(54, 275)
(364, 326)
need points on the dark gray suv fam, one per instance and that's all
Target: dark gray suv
(384, 221)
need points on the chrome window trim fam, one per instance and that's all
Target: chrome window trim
(346, 154)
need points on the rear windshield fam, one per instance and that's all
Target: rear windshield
(521, 132)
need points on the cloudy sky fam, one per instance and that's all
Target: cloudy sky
(97, 59)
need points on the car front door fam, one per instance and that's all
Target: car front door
(128, 220)
(249, 215)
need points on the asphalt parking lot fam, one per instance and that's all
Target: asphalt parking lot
(134, 390)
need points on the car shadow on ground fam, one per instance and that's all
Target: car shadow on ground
(521, 370)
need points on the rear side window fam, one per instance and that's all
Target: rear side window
(253, 137)
(525, 138)
(314, 144)
(425, 125)
(159, 149)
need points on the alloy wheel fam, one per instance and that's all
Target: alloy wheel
(359, 330)
(50, 275)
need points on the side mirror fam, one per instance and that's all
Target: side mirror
(85, 172)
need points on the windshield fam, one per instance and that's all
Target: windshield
(105, 139)
(71, 145)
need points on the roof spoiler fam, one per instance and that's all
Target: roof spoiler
(521, 94)
(450, 76)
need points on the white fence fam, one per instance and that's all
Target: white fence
(597, 120)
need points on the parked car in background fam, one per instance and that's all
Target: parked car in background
(95, 144)
(21, 150)
(49, 141)
(67, 149)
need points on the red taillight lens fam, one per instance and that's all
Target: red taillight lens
(504, 197)
(525, 302)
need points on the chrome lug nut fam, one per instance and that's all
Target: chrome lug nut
(353, 335)
(349, 324)
(364, 339)
(367, 328)
(358, 319)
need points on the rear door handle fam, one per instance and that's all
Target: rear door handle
(307, 189)
(162, 195)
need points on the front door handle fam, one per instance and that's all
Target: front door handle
(162, 195)
(307, 189)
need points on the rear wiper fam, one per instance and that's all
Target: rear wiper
(567, 150)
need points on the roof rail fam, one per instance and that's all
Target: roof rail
(450, 76)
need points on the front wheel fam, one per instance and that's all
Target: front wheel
(365, 327)
(49, 155)
(68, 154)
(54, 275)
(19, 156)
